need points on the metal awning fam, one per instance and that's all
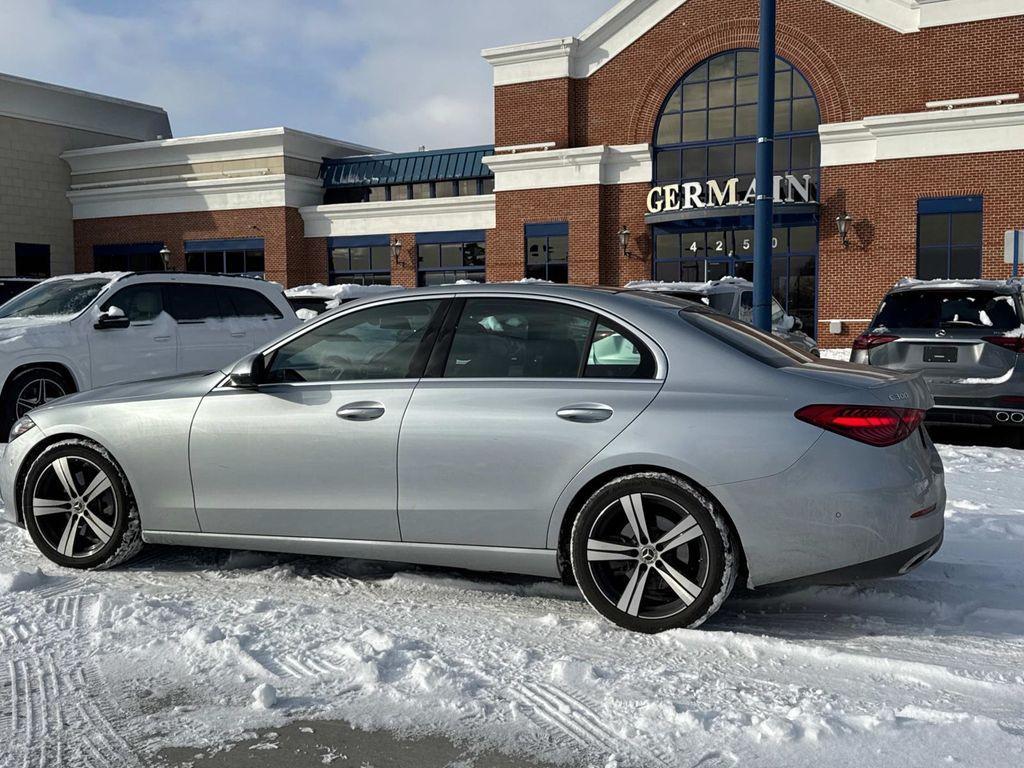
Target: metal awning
(407, 168)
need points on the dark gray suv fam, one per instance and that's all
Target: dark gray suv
(965, 336)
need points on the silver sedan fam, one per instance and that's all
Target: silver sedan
(649, 448)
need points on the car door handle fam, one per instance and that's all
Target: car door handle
(361, 411)
(238, 334)
(161, 338)
(585, 413)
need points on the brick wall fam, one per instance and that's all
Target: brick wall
(289, 259)
(882, 198)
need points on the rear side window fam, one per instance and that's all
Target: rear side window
(616, 354)
(140, 303)
(933, 309)
(745, 338)
(243, 302)
(192, 303)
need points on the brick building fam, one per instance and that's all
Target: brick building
(902, 116)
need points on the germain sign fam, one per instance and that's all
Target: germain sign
(712, 194)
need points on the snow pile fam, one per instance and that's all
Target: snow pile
(195, 647)
(20, 581)
(339, 292)
(837, 354)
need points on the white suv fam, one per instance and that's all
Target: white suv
(78, 332)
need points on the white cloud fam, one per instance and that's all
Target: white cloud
(392, 73)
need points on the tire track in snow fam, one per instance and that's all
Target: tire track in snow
(555, 710)
(67, 610)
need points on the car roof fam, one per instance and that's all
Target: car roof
(1000, 286)
(265, 286)
(722, 285)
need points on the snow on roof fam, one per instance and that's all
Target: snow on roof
(347, 291)
(945, 283)
(702, 288)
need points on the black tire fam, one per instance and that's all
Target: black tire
(95, 533)
(629, 580)
(36, 384)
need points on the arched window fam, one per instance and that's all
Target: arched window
(708, 125)
(707, 130)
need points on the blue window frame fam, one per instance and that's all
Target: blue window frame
(128, 257)
(547, 251)
(359, 260)
(708, 124)
(949, 237)
(235, 256)
(447, 257)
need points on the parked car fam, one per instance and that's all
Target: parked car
(308, 301)
(651, 448)
(735, 297)
(965, 336)
(73, 333)
(12, 286)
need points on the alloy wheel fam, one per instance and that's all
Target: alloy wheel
(648, 556)
(74, 507)
(36, 392)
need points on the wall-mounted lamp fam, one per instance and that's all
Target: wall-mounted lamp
(396, 252)
(165, 256)
(843, 225)
(624, 235)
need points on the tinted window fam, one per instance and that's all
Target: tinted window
(140, 303)
(512, 338)
(55, 297)
(934, 309)
(615, 354)
(374, 343)
(192, 303)
(246, 303)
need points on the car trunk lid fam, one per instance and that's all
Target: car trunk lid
(897, 389)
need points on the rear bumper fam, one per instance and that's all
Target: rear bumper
(977, 415)
(896, 564)
(844, 508)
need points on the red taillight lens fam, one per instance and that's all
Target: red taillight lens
(871, 340)
(1013, 343)
(874, 425)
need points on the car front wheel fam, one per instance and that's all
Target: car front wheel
(651, 552)
(78, 508)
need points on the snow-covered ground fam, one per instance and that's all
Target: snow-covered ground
(103, 669)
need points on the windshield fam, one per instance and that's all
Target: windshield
(55, 298)
(957, 308)
(747, 309)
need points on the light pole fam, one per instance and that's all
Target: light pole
(765, 182)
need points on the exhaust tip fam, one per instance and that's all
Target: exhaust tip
(918, 559)
(1017, 418)
(1003, 417)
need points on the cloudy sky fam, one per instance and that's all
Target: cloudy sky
(387, 73)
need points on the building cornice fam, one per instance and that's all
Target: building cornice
(580, 57)
(265, 191)
(211, 148)
(579, 166)
(997, 128)
(442, 214)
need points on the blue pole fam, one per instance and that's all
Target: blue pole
(765, 173)
(1016, 253)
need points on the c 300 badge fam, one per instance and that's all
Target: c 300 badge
(900, 396)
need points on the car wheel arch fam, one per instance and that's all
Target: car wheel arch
(60, 369)
(580, 497)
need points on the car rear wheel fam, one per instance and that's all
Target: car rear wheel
(78, 507)
(651, 552)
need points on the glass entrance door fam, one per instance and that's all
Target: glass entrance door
(699, 255)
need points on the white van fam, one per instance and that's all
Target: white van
(78, 332)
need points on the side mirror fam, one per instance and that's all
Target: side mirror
(113, 317)
(247, 373)
(788, 323)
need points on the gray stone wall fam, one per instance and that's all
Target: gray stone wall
(33, 186)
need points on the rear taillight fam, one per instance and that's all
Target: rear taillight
(874, 425)
(872, 340)
(1012, 343)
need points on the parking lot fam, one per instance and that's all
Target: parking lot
(112, 667)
